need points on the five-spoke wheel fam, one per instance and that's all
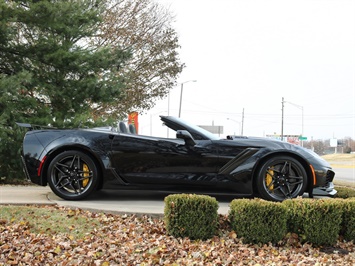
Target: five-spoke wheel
(72, 175)
(280, 178)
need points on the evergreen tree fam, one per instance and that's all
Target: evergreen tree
(49, 72)
(49, 39)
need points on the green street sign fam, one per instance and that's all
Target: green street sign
(302, 138)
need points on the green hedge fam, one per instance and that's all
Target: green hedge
(258, 221)
(345, 192)
(193, 216)
(348, 220)
(315, 221)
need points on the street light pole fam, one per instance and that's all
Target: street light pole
(282, 122)
(239, 123)
(182, 87)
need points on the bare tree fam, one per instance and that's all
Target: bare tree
(143, 28)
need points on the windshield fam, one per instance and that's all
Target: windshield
(197, 132)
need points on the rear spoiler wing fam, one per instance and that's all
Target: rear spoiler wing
(33, 127)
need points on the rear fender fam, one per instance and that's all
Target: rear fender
(99, 161)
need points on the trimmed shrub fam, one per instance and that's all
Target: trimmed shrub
(348, 223)
(258, 221)
(345, 192)
(295, 219)
(192, 216)
(317, 221)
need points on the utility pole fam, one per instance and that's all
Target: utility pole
(242, 123)
(282, 119)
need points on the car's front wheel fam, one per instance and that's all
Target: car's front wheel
(280, 178)
(72, 175)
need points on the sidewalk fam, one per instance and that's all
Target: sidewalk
(115, 201)
(24, 195)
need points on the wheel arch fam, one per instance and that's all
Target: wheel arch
(53, 153)
(296, 156)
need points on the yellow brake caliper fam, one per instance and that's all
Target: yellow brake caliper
(86, 175)
(268, 179)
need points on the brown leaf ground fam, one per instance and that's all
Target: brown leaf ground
(111, 239)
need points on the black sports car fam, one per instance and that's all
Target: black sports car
(77, 162)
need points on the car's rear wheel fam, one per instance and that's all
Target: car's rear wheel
(72, 175)
(280, 178)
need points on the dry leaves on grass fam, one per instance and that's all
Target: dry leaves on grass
(132, 240)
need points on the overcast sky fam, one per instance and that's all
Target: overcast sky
(249, 54)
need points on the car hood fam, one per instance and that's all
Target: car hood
(279, 145)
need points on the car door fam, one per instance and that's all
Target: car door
(147, 160)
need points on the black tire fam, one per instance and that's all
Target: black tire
(280, 178)
(72, 175)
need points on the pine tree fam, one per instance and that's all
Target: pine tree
(50, 41)
(49, 72)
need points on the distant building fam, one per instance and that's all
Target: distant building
(294, 139)
(213, 129)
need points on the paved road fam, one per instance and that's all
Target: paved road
(344, 173)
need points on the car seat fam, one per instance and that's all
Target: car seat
(122, 127)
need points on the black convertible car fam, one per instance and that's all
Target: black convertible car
(77, 162)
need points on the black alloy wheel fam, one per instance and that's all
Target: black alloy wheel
(72, 175)
(280, 178)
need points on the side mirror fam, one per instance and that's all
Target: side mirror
(185, 135)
